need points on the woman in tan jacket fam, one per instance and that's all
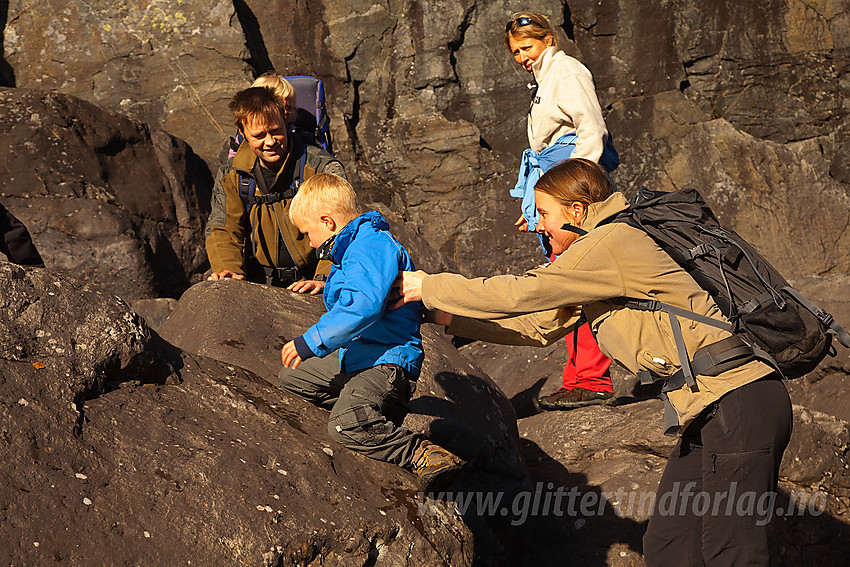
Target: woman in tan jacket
(733, 426)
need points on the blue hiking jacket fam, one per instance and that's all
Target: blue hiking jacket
(366, 260)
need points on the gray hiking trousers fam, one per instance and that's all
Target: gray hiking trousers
(367, 406)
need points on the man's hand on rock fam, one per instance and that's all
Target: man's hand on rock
(307, 286)
(225, 274)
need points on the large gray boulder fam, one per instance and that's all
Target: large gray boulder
(455, 403)
(119, 449)
(104, 197)
(246, 325)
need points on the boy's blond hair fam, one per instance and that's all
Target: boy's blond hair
(324, 193)
(280, 86)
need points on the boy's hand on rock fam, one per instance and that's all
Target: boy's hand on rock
(289, 356)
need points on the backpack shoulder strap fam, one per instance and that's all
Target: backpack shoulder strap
(298, 179)
(674, 313)
(247, 191)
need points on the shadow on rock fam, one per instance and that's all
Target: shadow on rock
(576, 522)
(525, 402)
(804, 529)
(494, 469)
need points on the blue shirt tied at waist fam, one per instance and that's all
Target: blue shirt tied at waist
(533, 165)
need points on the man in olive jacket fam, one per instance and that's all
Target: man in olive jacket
(249, 234)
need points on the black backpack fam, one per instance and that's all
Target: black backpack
(771, 320)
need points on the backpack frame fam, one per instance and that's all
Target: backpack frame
(312, 115)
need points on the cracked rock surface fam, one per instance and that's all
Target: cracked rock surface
(117, 448)
(103, 196)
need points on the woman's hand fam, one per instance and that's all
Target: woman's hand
(407, 287)
(521, 224)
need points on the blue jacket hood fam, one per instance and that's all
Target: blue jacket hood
(347, 234)
(367, 260)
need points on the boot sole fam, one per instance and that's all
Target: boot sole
(439, 480)
(572, 405)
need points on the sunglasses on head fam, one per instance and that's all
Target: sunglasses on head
(520, 22)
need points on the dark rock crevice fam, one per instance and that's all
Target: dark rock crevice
(258, 59)
(352, 118)
(7, 73)
(567, 26)
(455, 44)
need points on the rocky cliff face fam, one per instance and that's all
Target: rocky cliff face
(428, 110)
(103, 196)
(169, 63)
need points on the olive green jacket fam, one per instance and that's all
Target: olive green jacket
(612, 260)
(268, 232)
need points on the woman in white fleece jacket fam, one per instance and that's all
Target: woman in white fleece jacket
(564, 121)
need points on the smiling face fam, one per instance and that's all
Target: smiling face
(553, 215)
(527, 50)
(267, 140)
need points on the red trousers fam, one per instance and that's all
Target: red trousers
(586, 366)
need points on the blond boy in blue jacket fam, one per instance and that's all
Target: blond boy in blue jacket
(369, 384)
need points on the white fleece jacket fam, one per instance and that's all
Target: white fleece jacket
(565, 103)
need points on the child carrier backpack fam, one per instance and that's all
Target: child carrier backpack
(770, 320)
(311, 115)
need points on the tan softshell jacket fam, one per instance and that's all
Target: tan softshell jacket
(612, 260)
(229, 228)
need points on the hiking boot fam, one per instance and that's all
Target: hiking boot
(565, 399)
(436, 467)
